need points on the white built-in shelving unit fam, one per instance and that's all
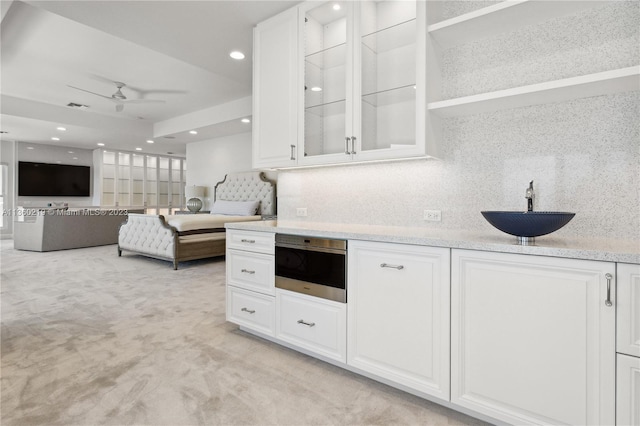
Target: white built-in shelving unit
(510, 16)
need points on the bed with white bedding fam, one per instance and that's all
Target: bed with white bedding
(239, 197)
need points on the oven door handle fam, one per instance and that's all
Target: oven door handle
(310, 248)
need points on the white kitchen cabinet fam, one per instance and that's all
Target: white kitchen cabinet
(364, 81)
(628, 310)
(251, 310)
(253, 271)
(628, 391)
(398, 314)
(628, 345)
(311, 323)
(275, 91)
(359, 81)
(533, 338)
(250, 271)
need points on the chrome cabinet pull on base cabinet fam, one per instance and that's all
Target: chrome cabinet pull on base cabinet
(609, 277)
(310, 324)
(386, 265)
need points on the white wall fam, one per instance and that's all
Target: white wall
(209, 161)
(7, 156)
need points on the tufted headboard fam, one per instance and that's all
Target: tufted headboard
(248, 186)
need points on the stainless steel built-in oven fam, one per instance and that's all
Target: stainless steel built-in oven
(314, 266)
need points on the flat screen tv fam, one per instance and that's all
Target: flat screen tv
(48, 180)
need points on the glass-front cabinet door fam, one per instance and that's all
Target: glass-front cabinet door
(327, 69)
(389, 66)
(364, 77)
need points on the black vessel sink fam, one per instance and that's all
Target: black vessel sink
(527, 225)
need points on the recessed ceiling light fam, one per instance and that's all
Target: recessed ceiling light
(100, 144)
(70, 152)
(30, 147)
(193, 132)
(246, 120)
(62, 129)
(59, 162)
(237, 55)
(149, 141)
(138, 149)
(316, 89)
(55, 139)
(336, 6)
(75, 158)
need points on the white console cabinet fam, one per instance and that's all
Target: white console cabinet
(628, 345)
(399, 314)
(533, 338)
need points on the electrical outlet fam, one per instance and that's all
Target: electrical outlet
(433, 215)
(301, 211)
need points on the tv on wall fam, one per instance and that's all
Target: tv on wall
(48, 180)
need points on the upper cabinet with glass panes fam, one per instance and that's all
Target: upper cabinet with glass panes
(359, 76)
(363, 79)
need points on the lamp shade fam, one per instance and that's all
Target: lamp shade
(194, 191)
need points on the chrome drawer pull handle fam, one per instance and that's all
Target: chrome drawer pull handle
(293, 150)
(353, 144)
(346, 142)
(609, 277)
(310, 324)
(248, 241)
(248, 310)
(386, 265)
(247, 271)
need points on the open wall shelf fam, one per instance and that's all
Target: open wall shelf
(602, 83)
(503, 17)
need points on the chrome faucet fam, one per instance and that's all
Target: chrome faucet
(530, 195)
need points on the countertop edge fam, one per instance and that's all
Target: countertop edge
(575, 248)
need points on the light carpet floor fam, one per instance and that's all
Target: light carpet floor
(89, 338)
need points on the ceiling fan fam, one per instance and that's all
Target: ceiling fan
(119, 98)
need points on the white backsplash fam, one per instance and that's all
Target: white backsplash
(583, 156)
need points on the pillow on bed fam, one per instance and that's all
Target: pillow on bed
(235, 208)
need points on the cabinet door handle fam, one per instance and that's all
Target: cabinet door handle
(309, 324)
(609, 277)
(386, 265)
(353, 144)
(247, 271)
(346, 145)
(293, 152)
(248, 310)
(248, 241)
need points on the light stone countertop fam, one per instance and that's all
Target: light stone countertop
(623, 251)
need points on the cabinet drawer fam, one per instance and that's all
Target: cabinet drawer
(259, 242)
(311, 323)
(252, 310)
(251, 271)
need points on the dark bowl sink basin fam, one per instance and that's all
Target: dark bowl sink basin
(528, 224)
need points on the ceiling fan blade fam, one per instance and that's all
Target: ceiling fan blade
(142, 101)
(93, 93)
